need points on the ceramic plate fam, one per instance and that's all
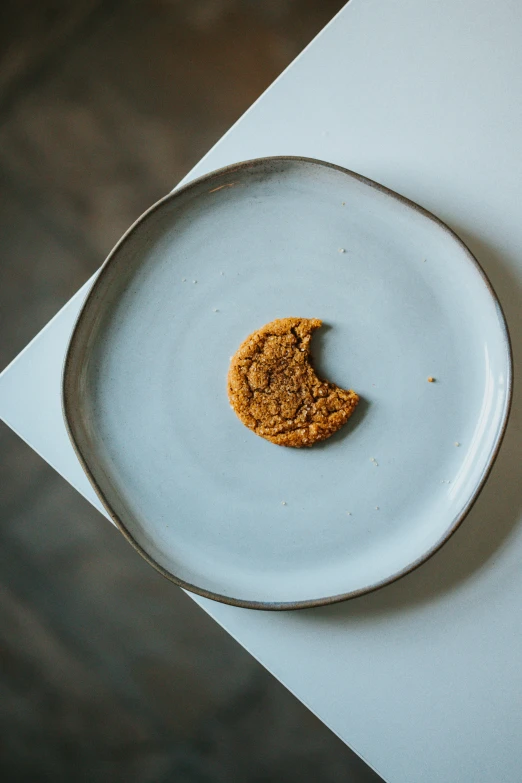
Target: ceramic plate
(223, 512)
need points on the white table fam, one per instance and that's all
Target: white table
(424, 678)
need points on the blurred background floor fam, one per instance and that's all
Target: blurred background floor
(108, 671)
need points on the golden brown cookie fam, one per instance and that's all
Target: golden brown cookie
(274, 390)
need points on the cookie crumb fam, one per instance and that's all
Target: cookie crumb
(431, 379)
(376, 508)
(457, 443)
(343, 203)
(349, 513)
(342, 250)
(283, 502)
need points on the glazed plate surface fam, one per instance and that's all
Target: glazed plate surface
(223, 512)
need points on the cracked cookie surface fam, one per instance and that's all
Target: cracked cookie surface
(275, 391)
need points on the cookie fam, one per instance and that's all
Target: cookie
(274, 390)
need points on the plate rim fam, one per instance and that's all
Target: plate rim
(72, 416)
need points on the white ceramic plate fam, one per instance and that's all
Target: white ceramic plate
(223, 512)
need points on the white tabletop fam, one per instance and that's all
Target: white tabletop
(423, 679)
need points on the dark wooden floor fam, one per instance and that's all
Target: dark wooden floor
(108, 672)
